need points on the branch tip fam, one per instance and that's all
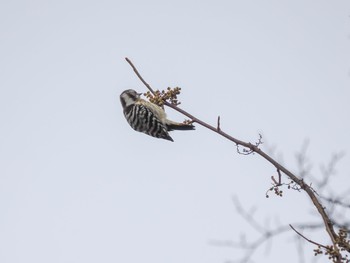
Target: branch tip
(307, 239)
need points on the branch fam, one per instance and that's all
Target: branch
(265, 233)
(265, 236)
(254, 148)
(307, 239)
(336, 202)
(140, 77)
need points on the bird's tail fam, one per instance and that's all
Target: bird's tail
(171, 125)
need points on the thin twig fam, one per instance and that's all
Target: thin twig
(307, 239)
(248, 216)
(279, 176)
(139, 75)
(279, 183)
(265, 236)
(335, 201)
(218, 126)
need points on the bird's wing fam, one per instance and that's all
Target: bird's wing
(156, 110)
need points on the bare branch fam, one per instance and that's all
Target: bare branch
(139, 76)
(279, 176)
(329, 170)
(251, 148)
(336, 201)
(279, 183)
(304, 167)
(266, 235)
(307, 239)
(248, 216)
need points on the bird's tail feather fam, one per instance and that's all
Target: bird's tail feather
(179, 126)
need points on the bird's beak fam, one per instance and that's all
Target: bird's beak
(139, 94)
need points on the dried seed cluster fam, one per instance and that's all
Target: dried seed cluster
(342, 242)
(276, 190)
(170, 94)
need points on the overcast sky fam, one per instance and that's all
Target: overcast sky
(77, 184)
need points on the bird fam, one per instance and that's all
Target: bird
(149, 118)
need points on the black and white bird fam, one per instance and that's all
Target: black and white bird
(149, 118)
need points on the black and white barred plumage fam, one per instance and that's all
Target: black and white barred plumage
(146, 117)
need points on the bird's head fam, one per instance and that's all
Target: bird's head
(129, 97)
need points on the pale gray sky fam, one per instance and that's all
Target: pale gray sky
(77, 184)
